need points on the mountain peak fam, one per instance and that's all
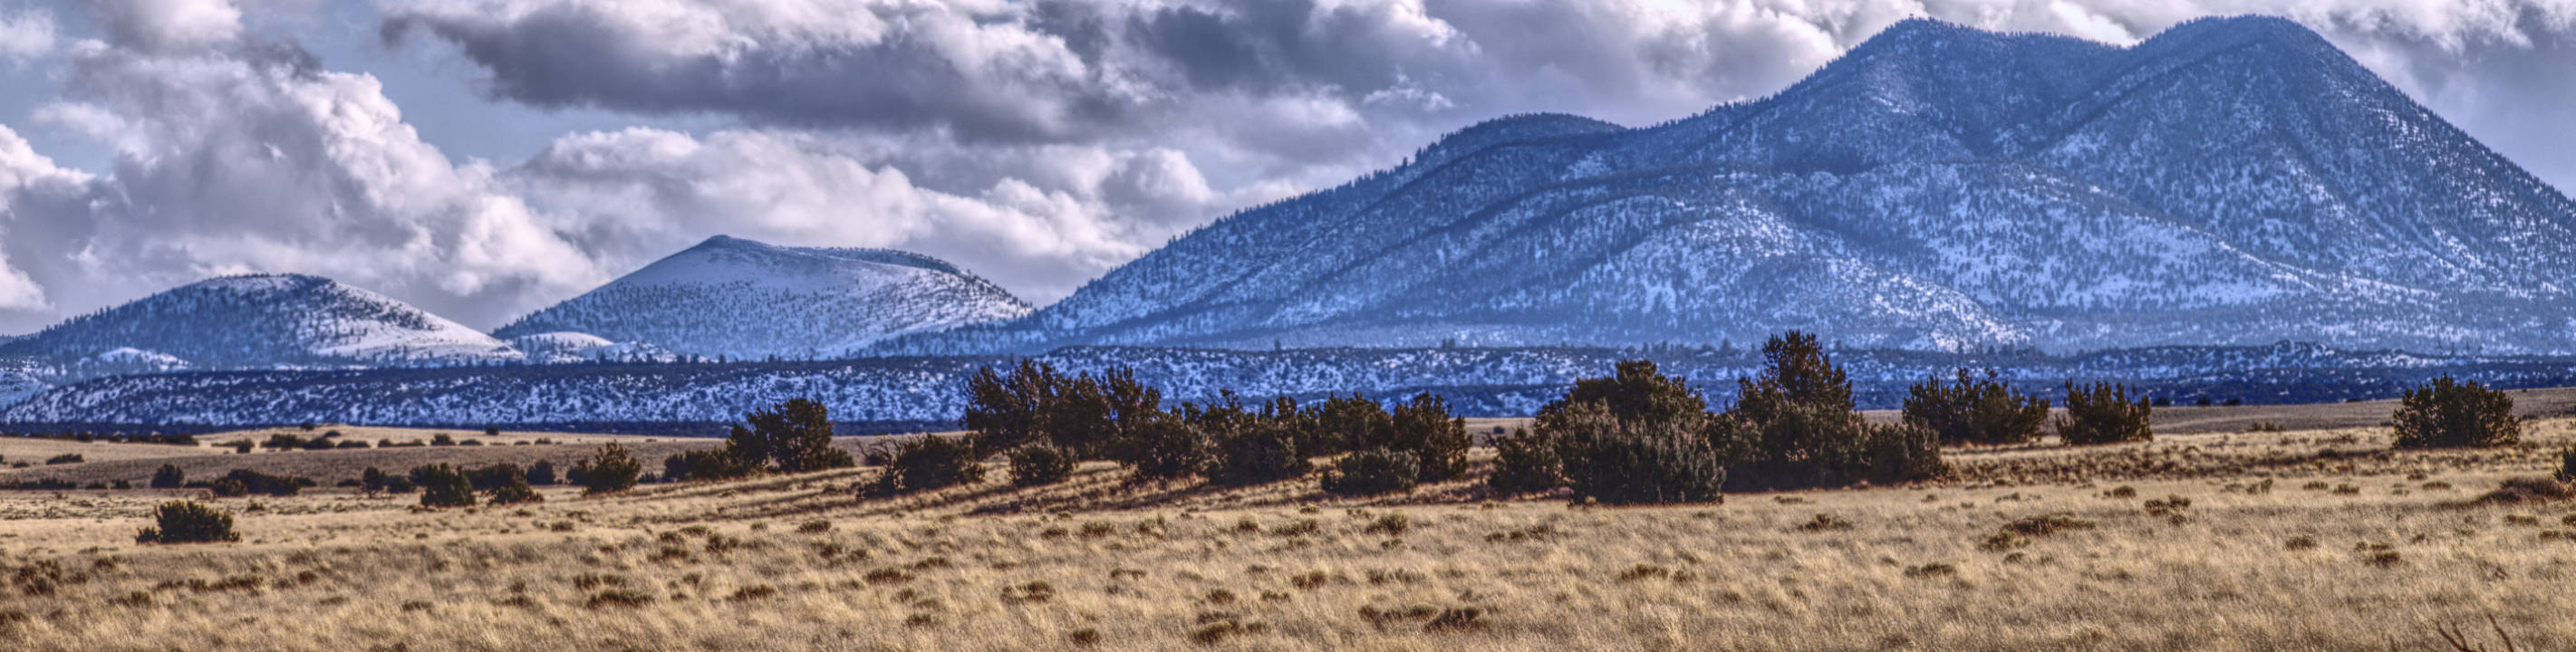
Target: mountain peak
(740, 298)
(265, 319)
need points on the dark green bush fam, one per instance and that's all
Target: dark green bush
(795, 436)
(543, 473)
(927, 463)
(609, 470)
(228, 488)
(169, 477)
(66, 458)
(442, 485)
(255, 482)
(2567, 465)
(352, 444)
(1372, 472)
(513, 494)
(1793, 427)
(1976, 411)
(320, 444)
(1525, 463)
(2449, 414)
(1648, 461)
(188, 522)
(496, 476)
(1040, 464)
(1085, 415)
(2103, 414)
(706, 465)
(1425, 428)
(1258, 451)
(1343, 424)
(1163, 447)
(372, 480)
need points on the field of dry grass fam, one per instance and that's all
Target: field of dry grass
(2290, 541)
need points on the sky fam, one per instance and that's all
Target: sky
(485, 158)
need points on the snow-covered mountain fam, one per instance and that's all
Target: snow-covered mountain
(2230, 181)
(252, 321)
(735, 298)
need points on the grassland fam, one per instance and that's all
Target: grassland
(2315, 539)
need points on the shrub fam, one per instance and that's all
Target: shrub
(1162, 447)
(1793, 427)
(795, 435)
(609, 470)
(320, 444)
(718, 464)
(442, 439)
(1425, 428)
(1974, 411)
(2567, 465)
(1525, 463)
(1372, 472)
(1005, 411)
(1040, 464)
(353, 444)
(1648, 461)
(496, 476)
(513, 494)
(242, 447)
(2447, 413)
(254, 482)
(543, 473)
(2102, 414)
(929, 463)
(228, 488)
(372, 480)
(283, 441)
(442, 485)
(1257, 451)
(1635, 393)
(1805, 446)
(1084, 415)
(188, 522)
(66, 458)
(169, 477)
(1343, 424)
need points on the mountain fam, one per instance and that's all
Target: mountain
(2231, 181)
(735, 298)
(254, 321)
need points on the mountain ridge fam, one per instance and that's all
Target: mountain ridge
(2229, 181)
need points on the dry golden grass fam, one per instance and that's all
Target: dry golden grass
(799, 563)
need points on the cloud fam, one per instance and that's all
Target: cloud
(1335, 81)
(641, 193)
(26, 34)
(236, 156)
(169, 25)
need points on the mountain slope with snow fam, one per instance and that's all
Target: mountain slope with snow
(256, 321)
(2231, 181)
(735, 298)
